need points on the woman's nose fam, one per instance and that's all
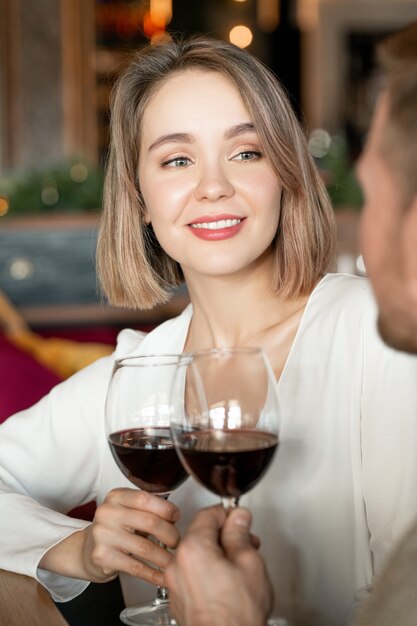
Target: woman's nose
(213, 184)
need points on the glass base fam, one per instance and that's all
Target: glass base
(154, 613)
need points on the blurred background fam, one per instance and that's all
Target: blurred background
(58, 61)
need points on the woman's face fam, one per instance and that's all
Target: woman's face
(210, 193)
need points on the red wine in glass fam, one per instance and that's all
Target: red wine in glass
(225, 419)
(147, 457)
(227, 462)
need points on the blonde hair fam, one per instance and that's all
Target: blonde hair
(397, 57)
(133, 268)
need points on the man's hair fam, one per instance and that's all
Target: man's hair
(133, 268)
(397, 56)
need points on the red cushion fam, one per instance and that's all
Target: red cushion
(23, 381)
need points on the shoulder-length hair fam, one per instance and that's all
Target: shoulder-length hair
(133, 268)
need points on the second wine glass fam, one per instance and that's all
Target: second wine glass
(138, 413)
(225, 421)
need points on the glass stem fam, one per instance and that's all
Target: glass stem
(162, 595)
(230, 503)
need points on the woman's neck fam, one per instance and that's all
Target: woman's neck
(232, 312)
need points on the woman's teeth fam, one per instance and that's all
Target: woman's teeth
(216, 225)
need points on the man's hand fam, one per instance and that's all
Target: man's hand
(217, 576)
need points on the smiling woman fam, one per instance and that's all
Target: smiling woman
(259, 125)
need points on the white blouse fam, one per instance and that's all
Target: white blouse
(341, 489)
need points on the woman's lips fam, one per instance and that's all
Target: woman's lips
(222, 227)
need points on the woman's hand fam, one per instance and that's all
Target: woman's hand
(117, 540)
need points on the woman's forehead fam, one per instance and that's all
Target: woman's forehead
(194, 96)
(194, 79)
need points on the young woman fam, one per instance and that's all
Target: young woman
(210, 181)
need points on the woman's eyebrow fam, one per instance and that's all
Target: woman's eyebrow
(171, 138)
(239, 129)
(234, 131)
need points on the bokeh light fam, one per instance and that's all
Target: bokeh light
(4, 206)
(319, 143)
(21, 268)
(79, 173)
(149, 26)
(241, 36)
(49, 193)
(160, 12)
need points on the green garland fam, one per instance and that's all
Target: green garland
(70, 187)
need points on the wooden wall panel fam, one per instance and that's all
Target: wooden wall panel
(47, 82)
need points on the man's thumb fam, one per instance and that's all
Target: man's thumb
(235, 535)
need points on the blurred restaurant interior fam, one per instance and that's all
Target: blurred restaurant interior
(58, 61)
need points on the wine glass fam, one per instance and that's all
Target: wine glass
(138, 411)
(225, 419)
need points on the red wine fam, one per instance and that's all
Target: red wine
(147, 457)
(228, 462)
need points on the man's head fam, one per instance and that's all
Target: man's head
(388, 173)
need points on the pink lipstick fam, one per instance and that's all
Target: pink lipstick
(216, 227)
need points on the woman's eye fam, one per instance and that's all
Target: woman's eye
(177, 162)
(247, 155)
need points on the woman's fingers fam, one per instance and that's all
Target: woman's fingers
(125, 533)
(121, 562)
(121, 510)
(143, 501)
(147, 524)
(108, 540)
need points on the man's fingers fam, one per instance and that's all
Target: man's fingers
(207, 524)
(198, 550)
(236, 535)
